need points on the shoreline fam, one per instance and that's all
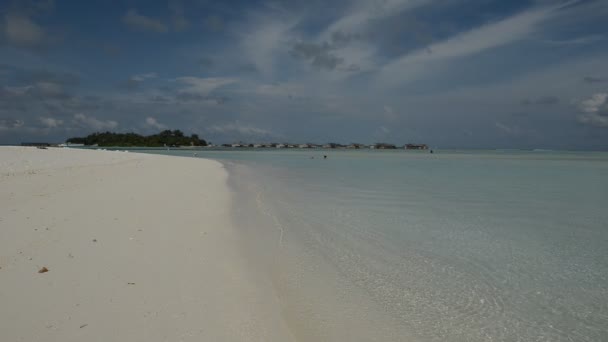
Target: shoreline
(136, 247)
(319, 302)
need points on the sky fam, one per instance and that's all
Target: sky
(449, 73)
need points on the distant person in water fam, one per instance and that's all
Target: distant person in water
(324, 157)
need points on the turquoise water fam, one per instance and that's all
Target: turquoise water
(451, 246)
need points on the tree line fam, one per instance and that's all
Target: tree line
(164, 138)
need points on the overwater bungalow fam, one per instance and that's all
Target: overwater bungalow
(385, 146)
(416, 147)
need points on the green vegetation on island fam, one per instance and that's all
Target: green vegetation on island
(164, 138)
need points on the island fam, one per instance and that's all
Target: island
(175, 138)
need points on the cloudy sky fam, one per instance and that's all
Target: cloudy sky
(450, 73)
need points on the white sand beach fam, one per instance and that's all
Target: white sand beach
(138, 248)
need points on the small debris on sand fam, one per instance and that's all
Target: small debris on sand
(82, 326)
(43, 270)
(94, 240)
(131, 283)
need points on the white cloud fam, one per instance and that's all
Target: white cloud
(381, 133)
(265, 39)
(594, 103)
(51, 122)
(509, 130)
(489, 36)
(364, 11)
(39, 90)
(7, 124)
(22, 30)
(240, 128)
(143, 23)
(595, 110)
(93, 123)
(14, 91)
(203, 85)
(389, 113)
(48, 89)
(279, 89)
(153, 123)
(591, 39)
(143, 77)
(594, 120)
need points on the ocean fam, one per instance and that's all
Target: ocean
(413, 246)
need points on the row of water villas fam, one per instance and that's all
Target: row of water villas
(377, 146)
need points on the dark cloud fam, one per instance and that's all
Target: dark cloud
(40, 91)
(341, 38)
(186, 96)
(11, 100)
(10, 123)
(33, 7)
(6, 93)
(180, 23)
(86, 103)
(352, 68)
(249, 67)
(44, 99)
(48, 109)
(133, 82)
(129, 84)
(545, 100)
(36, 76)
(214, 23)
(110, 49)
(20, 24)
(92, 98)
(195, 97)
(178, 18)
(520, 114)
(165, 88)
(23, 32)
(296, 97)
(593, 80)
(48, 91)
(160, 99)
(319, 55)
(401, 33)
(205, 62)
(143, 23)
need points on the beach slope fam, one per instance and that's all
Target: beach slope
(116, 246)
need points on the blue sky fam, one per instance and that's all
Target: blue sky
(451, 73)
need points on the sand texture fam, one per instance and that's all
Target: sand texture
(116, 246)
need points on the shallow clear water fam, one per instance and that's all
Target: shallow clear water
(451, 246)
